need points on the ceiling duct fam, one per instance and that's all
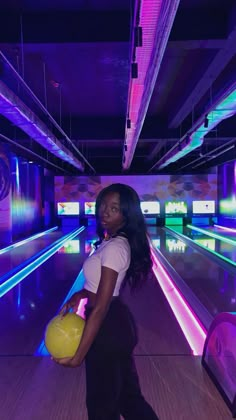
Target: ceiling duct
(223, 108)
(12, 108)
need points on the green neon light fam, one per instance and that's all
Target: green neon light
(213, 235)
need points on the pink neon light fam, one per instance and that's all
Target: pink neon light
(149, 16)
(226, 228)
(156, 18)
(81, 308)
(193, 331)
(136, 94)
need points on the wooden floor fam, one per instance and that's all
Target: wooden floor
(172, 380)
(34, 388)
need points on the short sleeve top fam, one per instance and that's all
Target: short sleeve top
(114, 254)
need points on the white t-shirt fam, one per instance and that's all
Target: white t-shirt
(114, 254)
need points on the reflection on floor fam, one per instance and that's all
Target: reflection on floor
(34, 388)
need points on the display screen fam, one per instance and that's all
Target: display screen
(70, 247)
(175, 207)
(204, 207)
(89, 207)
(68, 209)
(150, 207)
(228, 207)
(209, 243)
(175, 246)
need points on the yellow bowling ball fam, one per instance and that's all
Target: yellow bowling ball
(62, 335)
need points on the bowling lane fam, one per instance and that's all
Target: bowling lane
(218, 246)
(214, 286)
(28, 307)
(18, 255)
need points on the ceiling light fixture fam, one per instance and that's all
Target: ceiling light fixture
(155, 18)
(224, 108)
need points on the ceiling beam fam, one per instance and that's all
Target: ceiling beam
(157, 148)
(200, 23)
(196, 44)
(220, 61)
(65, 27)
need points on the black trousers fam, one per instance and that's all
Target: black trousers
(112, 382)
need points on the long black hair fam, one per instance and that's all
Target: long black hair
(134, 229)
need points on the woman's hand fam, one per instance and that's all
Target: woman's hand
(67, 362)
(72, 303)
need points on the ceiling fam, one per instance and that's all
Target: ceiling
(69, 62)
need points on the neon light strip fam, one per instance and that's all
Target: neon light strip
(156, 18)
(192, 329)
(214, 235)
(226, 228)
(21, 274)
(24, 241)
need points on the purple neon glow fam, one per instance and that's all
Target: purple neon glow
(192, 329)
(149, 15)
(20, 115)
(226, 228)
(155, 18)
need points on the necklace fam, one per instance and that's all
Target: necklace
(108, 237)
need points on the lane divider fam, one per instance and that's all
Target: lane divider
(24, 241)
(213, 235)
(15, 276)
(195, 241)
(190, 325)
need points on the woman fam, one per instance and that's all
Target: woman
(122, 256)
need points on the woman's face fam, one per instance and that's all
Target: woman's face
(110, 214)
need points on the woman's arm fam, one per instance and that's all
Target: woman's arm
(92, 325)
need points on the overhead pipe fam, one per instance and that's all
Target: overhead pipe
(46, 133)
(211, 154)
(25, 149)
(12, 108)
